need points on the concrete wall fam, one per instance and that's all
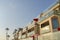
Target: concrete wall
(48, 36)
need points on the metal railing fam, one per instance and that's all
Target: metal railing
(47, 15)
(31, 33)
(53, 12)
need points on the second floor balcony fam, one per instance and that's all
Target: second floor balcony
(31, 33)
(53, 12)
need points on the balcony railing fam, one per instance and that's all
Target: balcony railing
(28, 38)
(31, 33)
(49, 14)
(45, 30)
(24, 36)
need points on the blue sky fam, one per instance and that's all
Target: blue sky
(18, 13)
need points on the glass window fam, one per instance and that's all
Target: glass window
(55, 23)
(45, 27)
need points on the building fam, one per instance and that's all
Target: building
(45, 27)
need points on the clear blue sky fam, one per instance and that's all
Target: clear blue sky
(18, 13)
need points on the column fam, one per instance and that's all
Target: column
(50, 24)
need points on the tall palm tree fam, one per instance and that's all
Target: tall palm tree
(15, 31)
(14, 34)
(26, 29)
(7, 36)
(20, 29)
(7, 29)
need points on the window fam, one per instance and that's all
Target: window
(44, 24)
(55, 23)
(45, 27)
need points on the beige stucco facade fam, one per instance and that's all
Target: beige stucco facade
(45, 24)
(48, 19)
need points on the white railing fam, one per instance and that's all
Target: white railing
(31, 33)
(29, 38)
(45, 29)
(23, 36)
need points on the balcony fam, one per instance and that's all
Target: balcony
(53, 12)
(24, 36)
(31, 33)
(45, 30)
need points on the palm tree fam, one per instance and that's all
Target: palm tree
(14, 33)
(7, 36)
(26, 31)
(7, 29)
(20, 29)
